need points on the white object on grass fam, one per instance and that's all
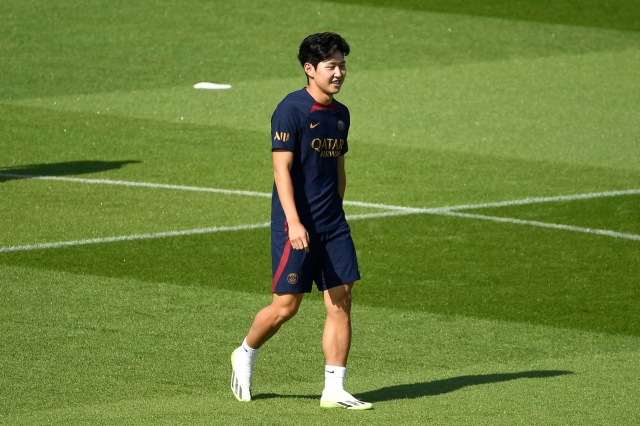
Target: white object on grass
(211, 86)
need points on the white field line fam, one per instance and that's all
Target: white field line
(185, 188)
(546, 199)
(446, 211)
(392, 211)
(173, 234)
(407, 210)
(135, 237)
(442, 212)
(140, 184)
(545, 225)
(346, 202)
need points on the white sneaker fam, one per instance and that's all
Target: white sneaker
(241, 388)
(343, 399)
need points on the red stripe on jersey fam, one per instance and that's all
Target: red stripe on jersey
(283, 262)
(317, 106)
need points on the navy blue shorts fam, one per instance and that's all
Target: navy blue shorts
(331, 261)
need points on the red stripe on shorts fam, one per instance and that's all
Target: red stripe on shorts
(283, 262)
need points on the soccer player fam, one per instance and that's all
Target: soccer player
(310, 238)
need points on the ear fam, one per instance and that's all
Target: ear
(309, 70)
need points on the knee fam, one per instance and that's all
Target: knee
(284, 314)
(340, 304)
(345, 302)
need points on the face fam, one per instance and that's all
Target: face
(329, 75)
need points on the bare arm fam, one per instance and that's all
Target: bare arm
(342, 177)
(282, 161)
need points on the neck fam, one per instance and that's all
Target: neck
(318, 95)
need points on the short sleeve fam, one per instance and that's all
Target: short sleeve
(284, 127)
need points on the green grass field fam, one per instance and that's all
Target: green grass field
(493, 190)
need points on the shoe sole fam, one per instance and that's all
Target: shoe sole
(359, 405)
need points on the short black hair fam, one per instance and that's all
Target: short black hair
(318, 47)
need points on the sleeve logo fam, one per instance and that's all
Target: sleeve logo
(281, 136)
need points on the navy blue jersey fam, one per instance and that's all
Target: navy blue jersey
(317, 136)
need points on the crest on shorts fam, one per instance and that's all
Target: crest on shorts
(341, 125)
(292, 278)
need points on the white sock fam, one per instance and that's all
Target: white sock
(251, 353)
(334, 378)
(245, 361)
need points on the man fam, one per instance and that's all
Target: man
(310, 238)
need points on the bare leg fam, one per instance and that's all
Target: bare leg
(336, 342)
(269, 320)
(266, 323)
(336, 338)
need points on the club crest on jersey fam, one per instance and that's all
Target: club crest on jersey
(281, 136)
(292, 278)
(341, 125)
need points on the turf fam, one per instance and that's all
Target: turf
(618, 14)
(104, 350)
(457, 320)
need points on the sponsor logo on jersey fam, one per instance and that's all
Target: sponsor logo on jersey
(313, 126)
(341, 126)
(281, 136)
(292, 278)
(328, 147)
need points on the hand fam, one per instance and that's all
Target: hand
(299, 237)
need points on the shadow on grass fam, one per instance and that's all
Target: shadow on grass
(60, 169)
(436, 387)
(439, 387)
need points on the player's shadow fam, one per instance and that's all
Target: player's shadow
(439, 387)
(436, 387)
(60, 169)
